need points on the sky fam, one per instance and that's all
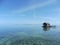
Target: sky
(29, 11)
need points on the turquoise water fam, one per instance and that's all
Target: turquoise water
(29, 35)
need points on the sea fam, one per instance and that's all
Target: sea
(29, 34)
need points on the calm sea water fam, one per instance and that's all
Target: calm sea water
(29, 35)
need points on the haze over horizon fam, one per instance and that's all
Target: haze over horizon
(29, 11)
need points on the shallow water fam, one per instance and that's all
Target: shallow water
(29, 35)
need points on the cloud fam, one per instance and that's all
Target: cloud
(52, 20)
(34, 6)
(57, 10)
(47, 18)
(54, 12)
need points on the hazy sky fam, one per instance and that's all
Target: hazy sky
(29, 11)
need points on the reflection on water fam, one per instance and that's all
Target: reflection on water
(30, 35)
(46, 28)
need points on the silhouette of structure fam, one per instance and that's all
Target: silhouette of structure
(46, 24)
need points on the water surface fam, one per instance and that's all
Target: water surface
(29, 35)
